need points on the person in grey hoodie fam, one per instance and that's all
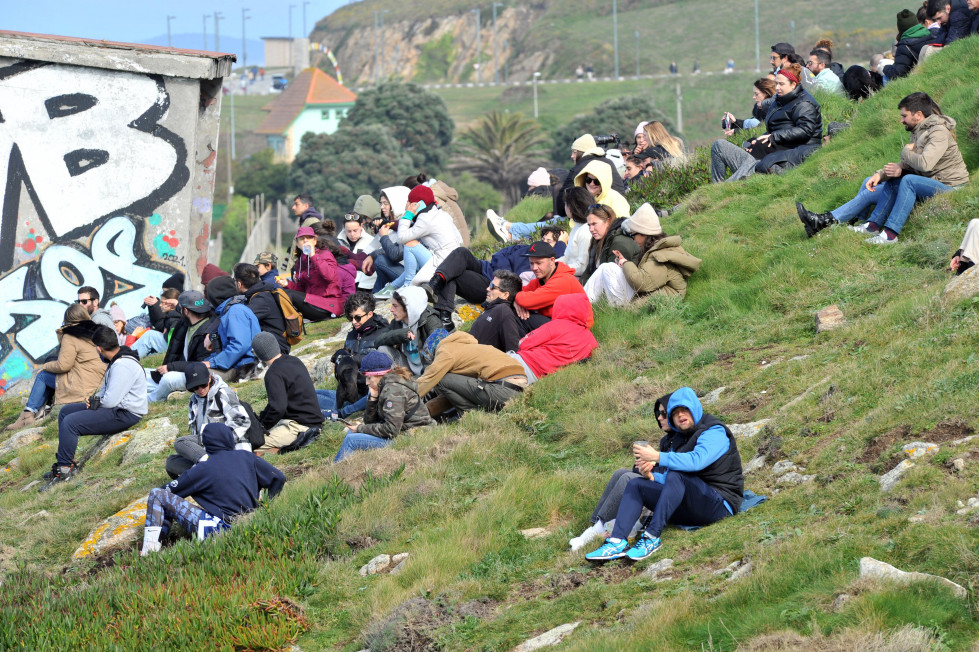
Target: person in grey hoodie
(118, 405)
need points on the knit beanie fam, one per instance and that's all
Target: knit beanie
(211, 272)
(539, 177)
(421, 193)
(639, 129)
(117, 313)
(584, 143)
(175, 281)
(376, 363)
(906, 19)
(220, 289)
(265, 346)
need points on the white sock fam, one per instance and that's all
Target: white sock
(151, 540)
(593, 532)
(635, 529)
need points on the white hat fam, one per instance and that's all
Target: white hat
(640, 128)
(644, 221)
(584, 143)
(539, 177)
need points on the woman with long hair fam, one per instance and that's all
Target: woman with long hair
(607, 236)
(660, 145)
(762, 92)
(315, 289)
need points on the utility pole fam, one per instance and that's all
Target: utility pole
(679, 108)
(615, 34)
(232, 97)
(206, 16)
(757, 41)
(292, 43)
(496, 69)
(217, 32)
(380, 58)
(536, 77)
(479, 51)
(792, 27)
(506, 63)
(637, 54)
(169, 40)
(305, 2)
(244, 48)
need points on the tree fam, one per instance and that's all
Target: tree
(260, 174)
(619, 116)
(475, 197)
(502, 150)
(352, 161)
(416, 118)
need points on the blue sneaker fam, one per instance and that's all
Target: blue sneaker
(609, 550)
(645, 547)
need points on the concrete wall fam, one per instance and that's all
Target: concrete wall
(107, 155)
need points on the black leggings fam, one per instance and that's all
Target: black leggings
(308, 310)
(463, 275)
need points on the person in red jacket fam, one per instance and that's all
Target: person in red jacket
(560, 342)
(534, 304)
(316, 286)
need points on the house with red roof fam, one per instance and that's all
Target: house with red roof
(313, 102)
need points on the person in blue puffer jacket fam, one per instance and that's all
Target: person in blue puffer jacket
(236, 329)
(695, 478)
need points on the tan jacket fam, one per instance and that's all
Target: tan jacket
(460, 353)
(935, 154)
(448, 197)
(664, 269)
(79, 369)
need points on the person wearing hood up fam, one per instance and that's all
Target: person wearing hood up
(585, 151)
(385, 261)
(211, 401)
(393, 406)
(930, 164)
(225, 484)
(118, 405)
(73, 376)
(425, 221)
(696, 480)
(564, 340)
(597, 179)
(414, 322)
(603, 518)
(663, 266)
(237, 325)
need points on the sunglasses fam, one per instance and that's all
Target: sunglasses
(494, 286)
(593, 180)
(358, 318)
(352, 217)
(85, 301)
(661, 414)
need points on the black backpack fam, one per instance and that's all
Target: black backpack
(256, 431)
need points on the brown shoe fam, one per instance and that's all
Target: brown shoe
(25, 419)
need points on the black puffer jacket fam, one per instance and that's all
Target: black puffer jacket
(174, 358)
(794, 120)
(906, 56)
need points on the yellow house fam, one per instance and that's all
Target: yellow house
(313, 102)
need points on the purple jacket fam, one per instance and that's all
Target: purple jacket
(320, 279)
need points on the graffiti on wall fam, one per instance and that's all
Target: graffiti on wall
(85, 166)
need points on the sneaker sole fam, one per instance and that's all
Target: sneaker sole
(492, 228)
(619, 555)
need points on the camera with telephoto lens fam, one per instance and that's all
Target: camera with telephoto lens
(602, 141)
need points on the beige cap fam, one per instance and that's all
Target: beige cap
(644, 221)
(584, 143)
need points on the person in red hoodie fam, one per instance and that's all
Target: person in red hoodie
(534, 304)
(562, 341)
(316, 286)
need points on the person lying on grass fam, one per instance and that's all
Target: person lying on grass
(393, 406)
(696, 480)
(225, 483)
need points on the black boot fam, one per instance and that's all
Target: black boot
(432, 289)
(445, 316)
(813, 222)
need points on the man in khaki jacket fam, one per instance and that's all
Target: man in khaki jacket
(471, 375)
(930, 164)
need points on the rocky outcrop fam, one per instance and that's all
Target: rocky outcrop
(870, 567)
(118, 531)
(154, 438)
(20, 439)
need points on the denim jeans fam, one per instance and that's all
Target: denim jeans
(385, 271)
(358, 441)
(150, 342)
(892, 200)
(414, 259)
(522, 230)
(327, 399)
(41, 391)
(172, 381)
(682, 498)
(75, 420)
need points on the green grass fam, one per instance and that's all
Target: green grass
(454, 497)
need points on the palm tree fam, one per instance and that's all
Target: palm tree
(501, 149)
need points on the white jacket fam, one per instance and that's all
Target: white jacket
(436, 231)
(364, 245)
(576, 254)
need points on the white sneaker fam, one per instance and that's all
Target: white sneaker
(385, 292)
(861, 228)
(496, 225)
(880, 239)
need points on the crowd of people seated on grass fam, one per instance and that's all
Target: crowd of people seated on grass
(408, 245)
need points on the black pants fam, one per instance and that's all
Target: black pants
(535, 320)
(308, 310)
(461, 273)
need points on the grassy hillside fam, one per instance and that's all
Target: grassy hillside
(454, 497)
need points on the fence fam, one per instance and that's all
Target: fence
(265, 226)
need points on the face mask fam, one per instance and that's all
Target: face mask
(308, 250)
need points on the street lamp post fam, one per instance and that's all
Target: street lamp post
(218, 16)
(506, 63)
(376, 76)
(757, 41)
(244, 48)
(536, 77)
(637, 54)
(291, 7)
(206, 16)
(479, 51)
(169, 40)
(305, 2)
(496, 69)
(615, 35)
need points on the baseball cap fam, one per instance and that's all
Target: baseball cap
(197, 375)
(266, 258)
(540, 249)
(194, 301)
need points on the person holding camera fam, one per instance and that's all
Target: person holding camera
(794, 131)
(385, 261)
(118, 405)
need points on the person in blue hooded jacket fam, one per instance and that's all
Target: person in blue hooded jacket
(237, 327)
(696, 480)
(225, 483)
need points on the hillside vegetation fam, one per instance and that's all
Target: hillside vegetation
(455, 497)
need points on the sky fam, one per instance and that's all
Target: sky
(145, 21)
